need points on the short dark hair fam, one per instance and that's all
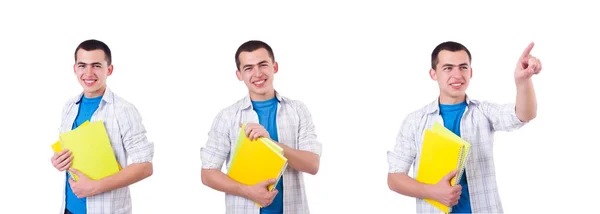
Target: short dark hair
(449, 46)
(250, 46)
(92, 44)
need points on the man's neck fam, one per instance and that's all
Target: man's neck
(94, 94)
(452, 100)
(262, 97)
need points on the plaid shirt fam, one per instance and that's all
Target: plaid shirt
(295, 129)
(128, 139)
(477, 126)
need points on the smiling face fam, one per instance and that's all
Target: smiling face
(92, 69)
(453, 73)
(257, 69)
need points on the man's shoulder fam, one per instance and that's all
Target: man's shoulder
(120, 102)
(294, 103)
(232, 109)
(422, 111)
(236, 106)
(73, 99)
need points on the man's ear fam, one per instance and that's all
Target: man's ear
(238, 74)
(433, 74)
(110, 70)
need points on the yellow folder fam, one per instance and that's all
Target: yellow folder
(91, 150)
(442, 152)
(254, 161)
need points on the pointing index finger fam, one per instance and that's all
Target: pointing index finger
(527, 51)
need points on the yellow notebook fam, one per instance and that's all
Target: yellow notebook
(442, 152)
(91, 150)
(256, 161)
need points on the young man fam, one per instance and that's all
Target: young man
(475, 121)
(270, 115)
(123, 124)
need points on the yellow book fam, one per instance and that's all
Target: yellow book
(442, 152)
(91, 150)
(256, 161)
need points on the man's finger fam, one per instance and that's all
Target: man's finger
(532, 62)
(79, 174)
(57, 155)
(64, 168)
(65, 162)
(63, 151)
(64, 155)
(527, 51)
(266, 183)
(249, 133)
(449, 176)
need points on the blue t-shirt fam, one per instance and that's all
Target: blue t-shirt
(452, 114)
(87, 107)
(267, 112)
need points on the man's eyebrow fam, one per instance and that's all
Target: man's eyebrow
(250, 65)
(93, 63)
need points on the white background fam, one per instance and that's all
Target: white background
(360, 68)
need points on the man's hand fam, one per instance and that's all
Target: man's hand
(527, 66)
(255, 130)
(260, 194)
(444, 193)
(84, 186)
(62, 160)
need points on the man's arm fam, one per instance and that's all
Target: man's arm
(138, 148)
(127, 176)
(526, 104)
(219, 181)
(303, 161)
(442, 192)
(405, 185)
(308, 155)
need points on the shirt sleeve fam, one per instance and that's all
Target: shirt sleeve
(216, 150)
(133, 133)
(402, 157)
(502, 117)
(307, 136)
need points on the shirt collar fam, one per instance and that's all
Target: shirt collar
(247, 103)
(434, 107)
(106, 97)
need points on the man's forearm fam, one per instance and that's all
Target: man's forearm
(303, 161)
(405, 185)
(526, 104)
(218, 180)
(127, 176)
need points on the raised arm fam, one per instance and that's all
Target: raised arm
(527, 66)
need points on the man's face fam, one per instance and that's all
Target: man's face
(453, 73)
(92, 69)
(257, 70)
